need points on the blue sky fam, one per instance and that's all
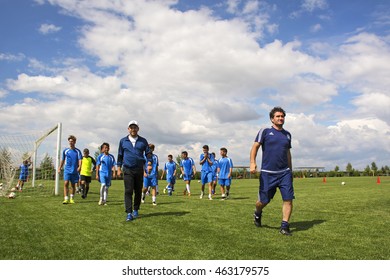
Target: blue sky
(202, 72)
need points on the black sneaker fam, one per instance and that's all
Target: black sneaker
(257, 220)
(285, 231)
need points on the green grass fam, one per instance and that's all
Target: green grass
(329, 221)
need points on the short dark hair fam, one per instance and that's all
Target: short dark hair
(276, 109)
(224, 149)
(72, 137)
(104, 144)
(206, 147)
(185, 153)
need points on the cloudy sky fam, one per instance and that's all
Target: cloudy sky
(202, 72)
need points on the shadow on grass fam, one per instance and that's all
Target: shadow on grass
(176, 214)
(305, 225)
(299, 226)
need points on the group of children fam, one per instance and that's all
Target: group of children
(78, 169)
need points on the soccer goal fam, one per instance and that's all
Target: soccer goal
(36, 154)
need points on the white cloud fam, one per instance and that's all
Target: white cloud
(11, 57)
(311, 5)
(48, 28)
(315, 28)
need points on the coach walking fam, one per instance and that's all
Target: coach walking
(132, 151)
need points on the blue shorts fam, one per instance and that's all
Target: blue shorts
(171, 180)
(206, 177)
(188, 177)
(269, 182)
(105, 179)
(150, 182)
(225, 182)
(23, 177)
(71, 177)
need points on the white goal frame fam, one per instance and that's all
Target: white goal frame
(33, 155)
(37, 143)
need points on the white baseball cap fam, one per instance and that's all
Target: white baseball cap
(133, 122)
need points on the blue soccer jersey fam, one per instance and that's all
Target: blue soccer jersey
(106, 163)
(224, 165)
(206, 166)
(275, 145)
(170, 168)
(71, 157)
(187, 165)
(24, 172)
(154, 172)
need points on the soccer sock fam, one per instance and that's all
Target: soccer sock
(86, 190)
(71, 196)
(258, 214)
(66, 198)
(105, 193)
(284, 224)
(188, 187)
(154, 198)
(102, 191)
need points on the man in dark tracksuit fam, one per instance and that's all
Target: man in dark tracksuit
(131, 160)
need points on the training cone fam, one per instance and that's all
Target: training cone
(378, 180)
(324, 180)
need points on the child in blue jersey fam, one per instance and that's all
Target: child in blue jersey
(206, 160)
(71, 159)
(188, 171)
(23, 176)
(150, 176)
(276, 168)
(170, 171)
(105, 170)
(225, 171)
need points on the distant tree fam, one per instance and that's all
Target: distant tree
(46, 167)
(178, 161)
(367, 170)
(97, 153)
(349, 169)
(374, 168)
(386, 170)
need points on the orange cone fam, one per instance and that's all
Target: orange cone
(324, 180)
(378, 180)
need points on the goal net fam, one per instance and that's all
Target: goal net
(29, 162)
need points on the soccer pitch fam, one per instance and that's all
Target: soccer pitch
(330, 221)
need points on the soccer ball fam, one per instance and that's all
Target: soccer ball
(12, 195)
(343, 183)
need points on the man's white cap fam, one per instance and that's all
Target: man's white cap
(133, 122)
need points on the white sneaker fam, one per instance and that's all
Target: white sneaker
(201, 195)
(100, 202)
(210, 198)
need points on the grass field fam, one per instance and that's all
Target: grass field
(329, 221)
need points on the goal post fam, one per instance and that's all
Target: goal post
(38, 154)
